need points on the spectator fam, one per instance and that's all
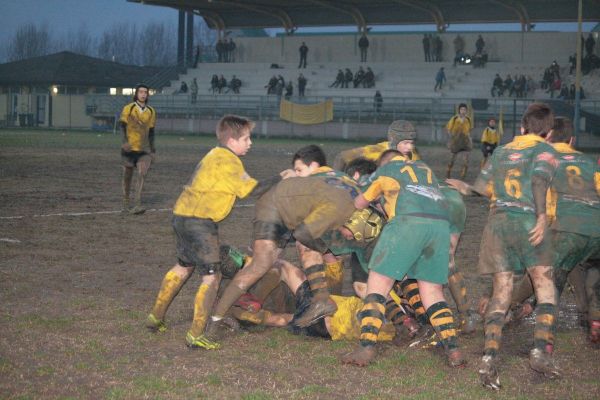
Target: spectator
(220, 50)
(183, 88)
(302, 84)
(564, 93)
(359, 76)
(508, 84)
(479, 45)
(234, 85)
(363, 45)
(230, 50)
(279, 87)
(572, 63)
(497, 86)
(590, 43)
(555, 86)
(377, 102)
(222, 83)
(197, 56)
(369, 80)
(572, 92)
(427, 48)
(440, 78)
(555, 69)
(348, 77)
(438, 46)
(339, 79)
(459, 48)
(214, 84)
(271, 85)
(194, 90)
(530, 87)
(289, 90)
(479, 60)
(303, 53)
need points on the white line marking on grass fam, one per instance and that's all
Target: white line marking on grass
(86, 213)
(7, 240)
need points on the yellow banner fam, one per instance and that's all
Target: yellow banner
(306, 114)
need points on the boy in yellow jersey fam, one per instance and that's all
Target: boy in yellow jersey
(459, 139)
(206, 200)
(490, 139)
(137, 149)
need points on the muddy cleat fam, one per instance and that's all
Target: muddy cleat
(200, 342)
(155, 324)
(424, 337)
(137, 210)
(361, 356)
(456, 359)
(317, 310)
(595, 332)
(217, 330)
(468, 323)
(488, 374)
(543, 362)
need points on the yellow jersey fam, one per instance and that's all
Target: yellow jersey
(139, 121)
(219, 178)
(458, 125)
(490, 135)
(344, 324)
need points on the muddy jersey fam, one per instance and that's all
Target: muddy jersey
(409, 188)
(139, 121)
(219, 178)
(337, 179)
(510, 170)
(457, 211)
(312, 201)
(575, 192)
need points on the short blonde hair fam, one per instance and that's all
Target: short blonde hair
(232, 126)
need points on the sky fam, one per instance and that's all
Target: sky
(64, 16)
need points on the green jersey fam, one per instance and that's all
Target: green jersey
(409, 188)
(511, 169)
(457, 211)
(575, 193)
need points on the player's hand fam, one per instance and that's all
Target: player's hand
(462, 187)
(126, 147)
(536, 235)
(288, 173)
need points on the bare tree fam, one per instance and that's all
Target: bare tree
(157, 44)
(30, 41)
(120, 43)
(81, 41)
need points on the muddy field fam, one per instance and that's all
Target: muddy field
(77, 279)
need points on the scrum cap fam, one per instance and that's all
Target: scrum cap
(400, 130)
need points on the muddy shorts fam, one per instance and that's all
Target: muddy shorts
(570, 249)
(132, 158)
(487, 148)
(505, 244)
(197, 243)
(412, 246)
(459, 142)
(457, 212)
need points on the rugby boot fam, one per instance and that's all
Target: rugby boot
(488, 373)
(137, 210)
(154, 324)
(200, 342)
(543, 362)
(361, 356)
(424, 337)
(217, 330)
(126, 205)
(455, 358)
(595, 332)
(319, 308)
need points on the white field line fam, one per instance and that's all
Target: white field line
(87, 213)
(8, 240)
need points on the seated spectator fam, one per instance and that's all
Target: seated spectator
(183, 88)
(214, 84)
(339, 79)
(508, 84)
(349, 76)
(234, 85)
(564, 93)
(369, 81)
(572, 92)
(554, 87)
(497, 87)
(289, 90)
(271, 85)
(480, 59)
(222, 83)
(358, 78)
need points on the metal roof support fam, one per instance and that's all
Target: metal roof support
(434, 10)
(361, 23)
(214, 18)
(518, 8)
(278, 13)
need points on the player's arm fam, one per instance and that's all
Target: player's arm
(373, 192)
(543, 171)
(124, 141)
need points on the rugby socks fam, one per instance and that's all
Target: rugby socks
(410, 288)
(545, 323)
(442, 320)
(493, 333)
(315, 274)
(334, 273)
(371, 319)
(205, 297)
(169, 288)
(127, 177)
(394, 313)
(456, 284)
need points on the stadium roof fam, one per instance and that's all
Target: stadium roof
(291, 14)
(66, 68)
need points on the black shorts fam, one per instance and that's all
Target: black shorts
(131, 158)
(197, 244)
(487, 148)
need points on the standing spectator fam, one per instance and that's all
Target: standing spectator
(348, 78)
(231, 50)
(377, 102)
(427, 48)
(183, 88)
(497, 86)
(303, 53)
(222, 83)
(197, 56)
(555, 86)
(438, 48)
(279, 88)
(271, 85)
(302, 84)
(289, 90)
(564, 93)
(363, 45)
(555, 69)
(572, 63)
(590, 43)
(214, 84)
(479, 44)
(220, 50)
(194, 90)
(339, 79)
(440, 78)
(137, 149)
(459, 48)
